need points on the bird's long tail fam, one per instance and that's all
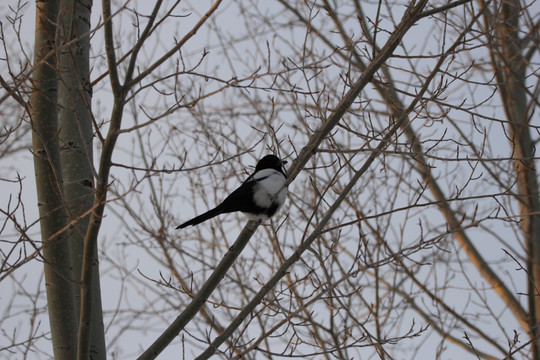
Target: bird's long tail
(203, 217)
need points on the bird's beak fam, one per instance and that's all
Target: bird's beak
(283, 162)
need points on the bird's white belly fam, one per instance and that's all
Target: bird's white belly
(269, 190)
(265, 199)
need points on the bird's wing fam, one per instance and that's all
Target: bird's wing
(241, 199)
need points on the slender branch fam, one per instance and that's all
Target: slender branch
(145, 34)
(443, 8)
(12, 91)
(109, 47)
(181, 43)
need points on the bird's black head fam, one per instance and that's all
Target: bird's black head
(270, 162)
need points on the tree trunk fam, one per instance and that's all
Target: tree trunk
(53, 217)
(75, 120)
(509, 64)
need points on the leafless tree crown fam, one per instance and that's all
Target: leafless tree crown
(412, 224)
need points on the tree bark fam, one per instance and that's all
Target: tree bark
(509, 65)
(76, 152)
(59, 281)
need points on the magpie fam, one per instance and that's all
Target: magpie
(260, 196)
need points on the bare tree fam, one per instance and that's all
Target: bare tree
(413, 202)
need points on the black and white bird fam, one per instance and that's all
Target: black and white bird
(259, 197)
